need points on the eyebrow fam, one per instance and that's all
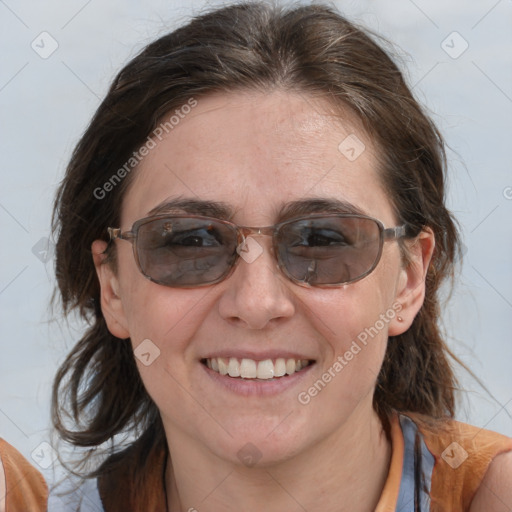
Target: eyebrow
(224, 211)
(317, 205)
(194, 206)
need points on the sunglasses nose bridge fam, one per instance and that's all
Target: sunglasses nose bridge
(256, 231)
(245, 232)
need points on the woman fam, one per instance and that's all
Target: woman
(296, 364)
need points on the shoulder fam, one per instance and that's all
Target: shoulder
(472, 466)
(495, 491)
(24, 487)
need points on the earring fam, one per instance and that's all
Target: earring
(400, 319)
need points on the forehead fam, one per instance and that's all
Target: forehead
(256, 153)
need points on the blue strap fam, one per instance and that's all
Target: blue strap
(405, 501)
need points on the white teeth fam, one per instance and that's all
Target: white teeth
(290, 366)
(233, 367)
(265, 369)
(223, 367)
(280, 367)
(250, 369)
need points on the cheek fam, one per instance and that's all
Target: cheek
(163, 323)
(169, 317)
(343, 314)
(354, 321)
(350, 322)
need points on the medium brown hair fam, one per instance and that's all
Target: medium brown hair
(98, 392)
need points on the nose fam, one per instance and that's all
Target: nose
(257, 294)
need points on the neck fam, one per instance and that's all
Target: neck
(344, 472)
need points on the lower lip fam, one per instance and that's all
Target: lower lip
(257, 387)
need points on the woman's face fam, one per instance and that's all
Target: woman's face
(256, 154)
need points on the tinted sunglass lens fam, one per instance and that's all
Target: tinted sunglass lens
(319, 250)
(329, 250)
(183, 251)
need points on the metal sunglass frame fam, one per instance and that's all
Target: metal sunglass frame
(243, 232)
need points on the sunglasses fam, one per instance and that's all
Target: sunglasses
(186, 251)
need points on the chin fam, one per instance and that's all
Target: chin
(259, 446)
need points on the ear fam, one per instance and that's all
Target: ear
(111, 303)
(411, 284)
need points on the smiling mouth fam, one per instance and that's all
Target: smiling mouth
(251, 369)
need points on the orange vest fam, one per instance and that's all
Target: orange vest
(22, 488)
(452, 458)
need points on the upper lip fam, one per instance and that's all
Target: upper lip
(257, 355)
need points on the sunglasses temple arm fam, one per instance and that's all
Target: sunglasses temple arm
(114, 233)
(395, 233)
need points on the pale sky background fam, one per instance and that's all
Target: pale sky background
(45, 104)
